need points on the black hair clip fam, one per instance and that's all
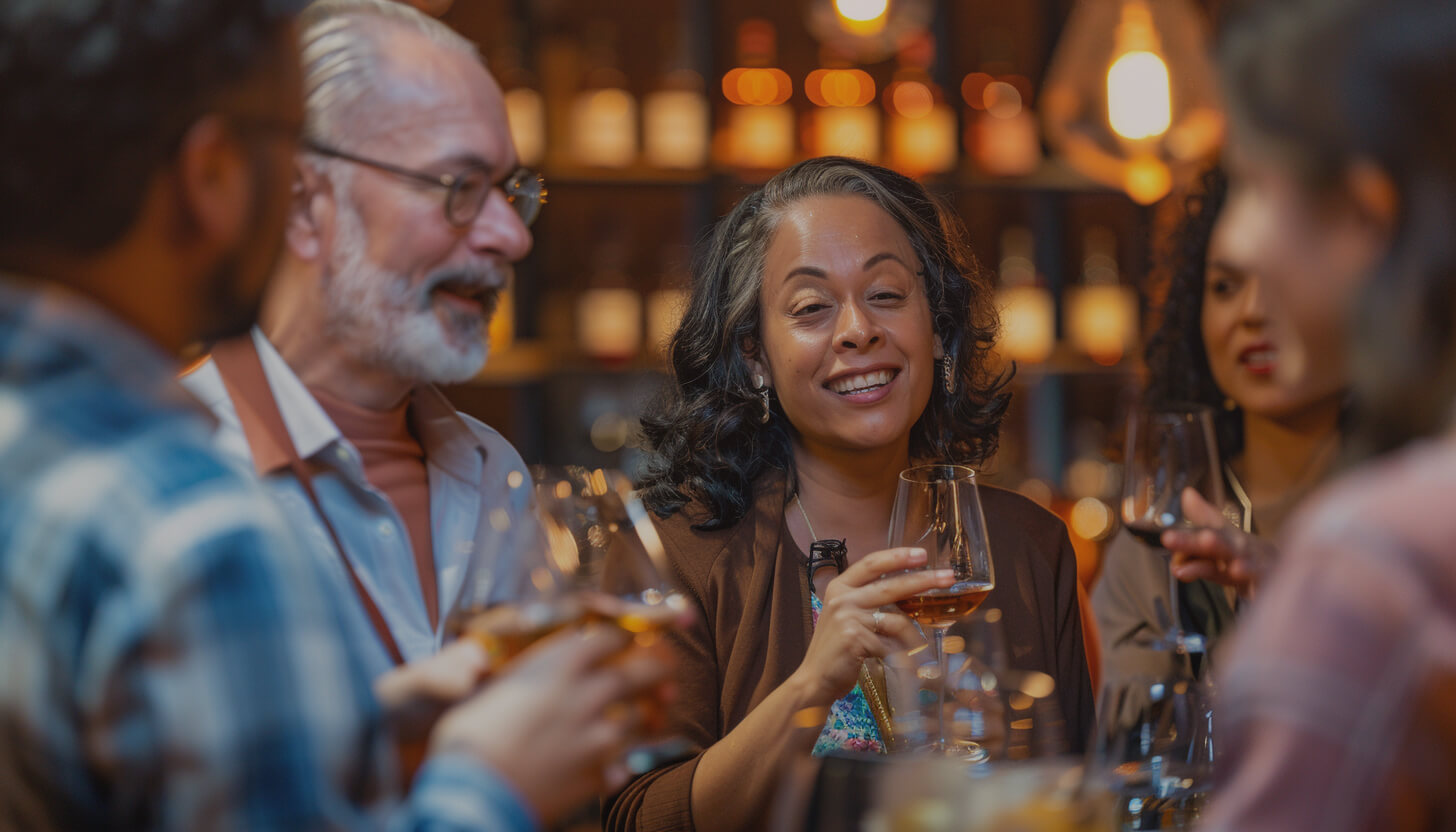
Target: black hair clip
(828, 552)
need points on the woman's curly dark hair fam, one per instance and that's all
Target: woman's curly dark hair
(1177, 362)
(706, 439)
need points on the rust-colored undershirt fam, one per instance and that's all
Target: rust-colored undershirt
(394, 463)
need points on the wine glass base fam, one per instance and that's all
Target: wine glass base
(1181, 643)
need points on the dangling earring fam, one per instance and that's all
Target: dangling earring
(1229, 404)
(947, 366)
(762, 390)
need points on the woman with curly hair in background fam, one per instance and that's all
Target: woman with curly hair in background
(837, 333)
(1278, 429)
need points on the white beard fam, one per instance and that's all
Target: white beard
(392, 325)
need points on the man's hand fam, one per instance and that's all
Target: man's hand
(556, 719)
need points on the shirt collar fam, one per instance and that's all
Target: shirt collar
(308, 425)
(448, 442)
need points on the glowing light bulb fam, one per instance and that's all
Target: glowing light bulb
(1139, 96)
(862, 17)
(861, 11)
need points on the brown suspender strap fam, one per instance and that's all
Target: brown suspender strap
(242, 374)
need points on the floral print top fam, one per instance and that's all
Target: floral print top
(850, 725)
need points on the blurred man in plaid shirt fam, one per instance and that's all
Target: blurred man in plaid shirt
(170, 658)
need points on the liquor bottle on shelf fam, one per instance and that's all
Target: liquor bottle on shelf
(844, 121)
(1028, 314)
(525, 107)
(922, 127)
(760, 123)
(1101, 314)
(675, 114)
(604, 112)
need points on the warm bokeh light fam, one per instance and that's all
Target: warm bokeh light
(1091, 519)
(760, 137)
(839, 87)
(604, 128)
(501, 332)
(1001, 99)
(862, 17)
(861, 10)
(1139, 96)
(675, 127)
(910, 99)
(757, 86)
(1028, 323)
(526, 115)
(1147, 180)
(927, 144)
(1101, 321)
(846, 131)
(609, 323)
(973, 89)
(665, 309)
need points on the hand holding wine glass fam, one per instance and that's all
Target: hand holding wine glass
(1169, 450)
(851, 626)
(938, 507)
(1215, 551)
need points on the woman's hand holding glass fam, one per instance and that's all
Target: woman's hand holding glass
(1215, 551)
(852, 626)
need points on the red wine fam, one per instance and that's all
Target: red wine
(1149, 535)
(943, 606)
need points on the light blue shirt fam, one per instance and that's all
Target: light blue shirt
(480, 507)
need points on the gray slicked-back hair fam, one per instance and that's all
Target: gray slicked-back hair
(342, 54)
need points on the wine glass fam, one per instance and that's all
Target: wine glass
(1155, 739)
(602, 543)
(1169, 449)
(937, 508)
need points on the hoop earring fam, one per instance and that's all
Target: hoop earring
(762, 390)
(947, 366)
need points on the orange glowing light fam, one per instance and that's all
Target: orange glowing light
(840, 87)
(1001, 99)
(862, 17)
(973, 89)
(911, 99)
(757, 86)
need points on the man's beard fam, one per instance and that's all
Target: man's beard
(388, 323)
(234, 302)
(230, 312)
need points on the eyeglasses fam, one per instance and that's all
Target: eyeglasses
(465, 192)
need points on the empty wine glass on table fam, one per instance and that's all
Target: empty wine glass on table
(1155, 740)
(1169, 450)
(937, 508)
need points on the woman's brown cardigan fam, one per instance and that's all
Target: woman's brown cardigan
(753, 628)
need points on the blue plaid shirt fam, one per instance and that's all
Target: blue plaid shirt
(168, 657)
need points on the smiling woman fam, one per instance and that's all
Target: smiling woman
(837, 333)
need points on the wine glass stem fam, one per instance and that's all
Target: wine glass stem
(941, 744)
(1175, 610)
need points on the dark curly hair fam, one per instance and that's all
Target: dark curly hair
(1178, 370)
(1324, 83)
(706, 440)
(96, 96)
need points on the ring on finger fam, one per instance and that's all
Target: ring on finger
(877, 620)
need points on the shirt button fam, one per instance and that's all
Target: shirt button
(342, 454)
(386, 528)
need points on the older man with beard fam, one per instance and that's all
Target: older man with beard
(408, 210)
